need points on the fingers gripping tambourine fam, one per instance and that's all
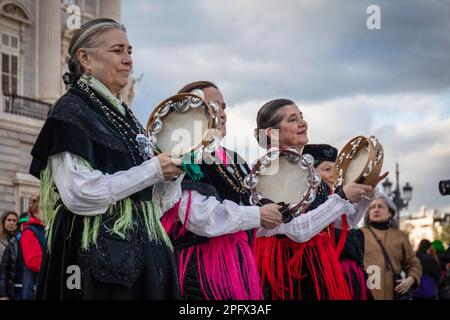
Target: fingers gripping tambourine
(286, 177)
(184, 124)
(360, 161)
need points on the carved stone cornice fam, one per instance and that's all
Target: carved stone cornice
(16, 11)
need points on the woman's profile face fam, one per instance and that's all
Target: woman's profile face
(111, 61)
(379, 211)
(11, 223)
(293, 129)
(213, 94)
(325, 169)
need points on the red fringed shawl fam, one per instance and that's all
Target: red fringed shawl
(280, 260)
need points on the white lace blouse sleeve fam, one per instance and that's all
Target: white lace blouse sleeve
(167, 193)
(209, 217)
(306, 226)
(360, 211)
(86, 191)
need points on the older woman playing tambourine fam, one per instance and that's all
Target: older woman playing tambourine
(105, 240)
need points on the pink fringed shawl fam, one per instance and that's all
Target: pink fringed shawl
(226, 265)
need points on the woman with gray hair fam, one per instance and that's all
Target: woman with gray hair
(387, 252)
(102, 189)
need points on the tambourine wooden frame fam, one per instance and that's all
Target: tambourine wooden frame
(370, 173)
(213, 121)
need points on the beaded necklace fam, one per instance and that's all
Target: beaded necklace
(127, 132)
(232, 176)
(237, 179)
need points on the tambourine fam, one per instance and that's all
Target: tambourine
(184, 123)
(286, 177)
(359, 161)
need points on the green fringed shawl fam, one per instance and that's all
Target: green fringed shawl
(122, 211)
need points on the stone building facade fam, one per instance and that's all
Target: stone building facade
(425, 224)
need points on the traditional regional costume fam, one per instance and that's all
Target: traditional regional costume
(303, 263)
(105, 239)
(212, 231)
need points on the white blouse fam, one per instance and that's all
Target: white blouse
(210, 218)
(306, 226)
(89, 192)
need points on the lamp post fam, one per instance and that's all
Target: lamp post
(401, 202)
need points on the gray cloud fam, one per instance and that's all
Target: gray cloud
(301, 49)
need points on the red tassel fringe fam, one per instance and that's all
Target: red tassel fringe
(280, 263)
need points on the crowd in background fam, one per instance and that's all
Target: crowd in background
(22, 242)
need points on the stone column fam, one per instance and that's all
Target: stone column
(49, 50)
(110, 9)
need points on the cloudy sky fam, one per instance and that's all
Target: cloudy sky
(347, 80)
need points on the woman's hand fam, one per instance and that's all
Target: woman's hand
(270, 216)
(354, 192)
(168, 166)
(404, 285)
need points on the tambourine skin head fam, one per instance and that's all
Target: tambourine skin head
(287, 183)
(280, 177)
(181, 124)
(360, 161)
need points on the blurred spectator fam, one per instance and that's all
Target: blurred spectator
(11, 272)
(438, 247)
(388, 249)
(32, 245)
(8, 229)
(427, 290)
(440, 251)
(444, 288)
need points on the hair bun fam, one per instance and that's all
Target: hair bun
(68, 78)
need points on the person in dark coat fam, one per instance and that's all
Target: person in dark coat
(428, 287)
(11, 271)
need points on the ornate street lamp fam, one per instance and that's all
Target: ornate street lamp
(407, 192)
(387, 185)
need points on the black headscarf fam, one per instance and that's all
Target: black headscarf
(321, 152)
